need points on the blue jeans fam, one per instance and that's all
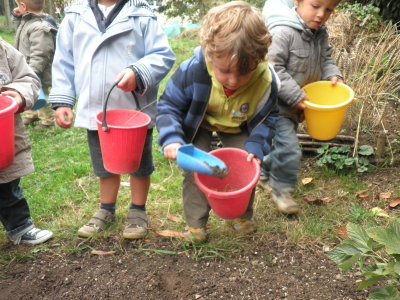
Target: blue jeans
(14, 210)
(283, 162)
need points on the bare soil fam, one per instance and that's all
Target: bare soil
(269, 269)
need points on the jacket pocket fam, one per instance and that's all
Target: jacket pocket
(298, 60)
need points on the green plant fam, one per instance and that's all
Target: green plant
(359, 214)
(339, 158)
(365, 16)
(376, 250)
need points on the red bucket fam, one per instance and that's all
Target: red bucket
(8, 107)
(122, 135)
(229, 196)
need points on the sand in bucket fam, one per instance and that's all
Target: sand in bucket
(8, 107)
(229, 196)
(326, 108)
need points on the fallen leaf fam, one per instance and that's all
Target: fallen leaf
(170, 233)
(361, 192)
(307, 180)
(379, 212)
(341, 232)
(394, 203)
(318, 200)
(174, 218)
(385, 195)
(100, 252)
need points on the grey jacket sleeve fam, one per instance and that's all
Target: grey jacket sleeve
(290, 92)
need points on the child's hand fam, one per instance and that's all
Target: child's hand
(334, 80)
(300, 106)
(64, 117)
(20, 100)
(127, 80)
(170, 150)
(251, 156)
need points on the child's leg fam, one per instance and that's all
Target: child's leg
(195, 204)
(136, 221)
(283, 164)
(46, 115)
(15, 216)
(109, 185)
(14, 210)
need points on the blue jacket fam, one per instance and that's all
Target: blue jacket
(91, 51)
(182, 106)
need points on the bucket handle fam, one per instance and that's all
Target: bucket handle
(104, 126)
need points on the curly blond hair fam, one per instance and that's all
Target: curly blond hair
(238, 29)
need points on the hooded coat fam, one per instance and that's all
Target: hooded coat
(299, 55)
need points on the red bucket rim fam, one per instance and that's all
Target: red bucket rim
(218, 194)
(10, 109)
(124, 127)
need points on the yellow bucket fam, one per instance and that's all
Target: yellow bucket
(326, 108)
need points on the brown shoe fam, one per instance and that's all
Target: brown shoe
(285, 202)
(97, 223)
(135, 225)
(28, 121)
(242, 226)
(43, 126)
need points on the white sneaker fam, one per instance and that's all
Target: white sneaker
(34, 236)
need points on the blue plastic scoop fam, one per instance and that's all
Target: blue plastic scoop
(193, 159)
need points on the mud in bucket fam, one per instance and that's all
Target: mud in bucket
(326, 108)
(8, 107)
(229, 196)
(122, 134)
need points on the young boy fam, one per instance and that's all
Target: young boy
(226, 87)
(17, 80)
(300, 54)
(98, 43)
(35, 39)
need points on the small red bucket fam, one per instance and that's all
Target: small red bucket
(229, 196)
(8, 107)
(122, 135)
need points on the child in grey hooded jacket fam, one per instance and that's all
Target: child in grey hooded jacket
(301, 54)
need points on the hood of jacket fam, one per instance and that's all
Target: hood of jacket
(281, 12)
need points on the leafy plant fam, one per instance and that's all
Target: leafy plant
(376, 251)
(364, 16)
(339, 158)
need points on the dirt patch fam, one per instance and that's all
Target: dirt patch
(269, 269)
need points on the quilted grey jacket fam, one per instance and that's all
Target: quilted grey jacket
(299, 55)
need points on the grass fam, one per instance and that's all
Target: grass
(63, 194)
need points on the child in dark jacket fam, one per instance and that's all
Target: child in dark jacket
(226, 87)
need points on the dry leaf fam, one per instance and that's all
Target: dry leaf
(361, 192)
(307, 180)
(170, 233)
(100, 252)
(394, 203)
(341, 232)
(174, 218)
(379, 212)
(385, 195)
(318, 200)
